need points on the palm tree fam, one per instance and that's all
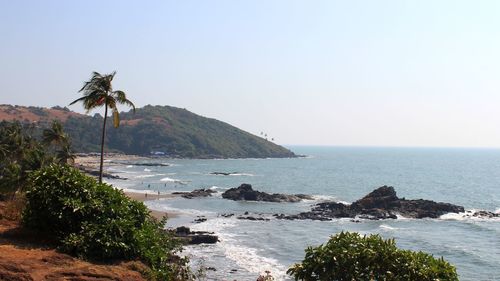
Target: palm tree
(97, 92)
(55, 135)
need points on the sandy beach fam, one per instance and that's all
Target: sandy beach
(142, 197)
(93, 161)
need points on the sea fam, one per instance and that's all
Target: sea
(467, 177)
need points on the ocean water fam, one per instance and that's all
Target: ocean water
(467, 177)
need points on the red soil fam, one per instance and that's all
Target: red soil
(25, 256)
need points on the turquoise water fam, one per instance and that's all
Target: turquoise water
(468, 177)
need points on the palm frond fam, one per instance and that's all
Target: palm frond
(122, 98)
(116, 117)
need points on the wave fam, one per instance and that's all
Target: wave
(140, 191)
(248, 258)
(387, 227)
(147, 170)
(161, 206)
(469, 215)
(148, 176)
(167, 179)
(243, 174)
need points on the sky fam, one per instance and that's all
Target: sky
(361, 73)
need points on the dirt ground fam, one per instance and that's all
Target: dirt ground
(27, 256)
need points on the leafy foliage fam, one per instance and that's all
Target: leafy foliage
(25, 148)
(350, 256)
(95, 221)
(20, 154)
(175, 131)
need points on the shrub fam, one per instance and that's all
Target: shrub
(96, 221)
(350, 256)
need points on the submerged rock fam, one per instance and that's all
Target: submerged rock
(245, 192)
(382, 203)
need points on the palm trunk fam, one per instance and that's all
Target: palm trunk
(102, 140)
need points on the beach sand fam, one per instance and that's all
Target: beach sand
(141, 197)
(93, 161)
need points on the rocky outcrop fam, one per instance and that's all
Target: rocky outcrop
(245, 192)
(195, 237)
(382, 203)
(203, 192)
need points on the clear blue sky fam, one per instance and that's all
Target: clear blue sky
(385, 73)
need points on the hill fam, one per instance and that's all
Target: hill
(167, 130)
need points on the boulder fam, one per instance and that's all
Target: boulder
(195, 237)
(246, 192)
(202, 192)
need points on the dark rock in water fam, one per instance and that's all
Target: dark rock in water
(196, 193)
(245, 192)
(483, 215)
(200, 219)
(223, 173)
(227, 215)
(195, 237)
(252, 218)
(382, 203)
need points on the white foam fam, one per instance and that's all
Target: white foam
(139, 191)
(467, 215)
(167, 179)
(324, 197)
(147, 170)
(129, 166)
(248, 258)
(242, 174)
(387, 227)
(148, 176)
(497, 211)
(160, 205)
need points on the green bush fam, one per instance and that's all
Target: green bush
(350, 256)
(96, 221)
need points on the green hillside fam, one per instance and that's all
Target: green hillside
(174, 131)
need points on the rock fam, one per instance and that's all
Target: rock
(196, 193)
(245, 192)
(382, 203)
(252, 218)
(223, 173)
(200, 219)
(227, 215)
(195, 237)
(485, 215)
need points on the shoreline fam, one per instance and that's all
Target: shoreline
(143, 197)
(92, 162)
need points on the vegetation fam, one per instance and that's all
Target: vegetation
(173, 131)
(97, 92)
(21, 153)
(350, 256)
(95, 221)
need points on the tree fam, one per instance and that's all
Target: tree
(97, 92)
(56, 136)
